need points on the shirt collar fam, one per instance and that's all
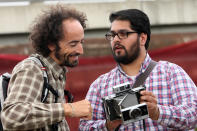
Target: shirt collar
(143, 67)
(145, 64)
(49, 63)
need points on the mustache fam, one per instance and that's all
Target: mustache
(74, 54)
(66, 55)
(117, 45)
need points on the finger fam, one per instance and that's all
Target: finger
(142, 102)
(143, 93)
(148, 99)
(115, 123)
(85, 118)
(89, 117)
(151, 106)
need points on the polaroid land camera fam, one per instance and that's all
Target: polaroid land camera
(124, 104)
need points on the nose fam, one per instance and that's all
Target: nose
(116, 37)
(115, 40)
(80, 48)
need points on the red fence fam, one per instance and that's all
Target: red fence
(80, 77)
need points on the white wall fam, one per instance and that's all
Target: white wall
(19, 19)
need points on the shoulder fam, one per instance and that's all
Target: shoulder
(169, 67)
(105, 78)
(27, 64)
(100, 86)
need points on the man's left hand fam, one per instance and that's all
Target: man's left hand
(150, 99)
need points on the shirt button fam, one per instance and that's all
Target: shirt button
(61, 77)
(137, 127)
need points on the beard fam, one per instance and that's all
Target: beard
(67, 62)
(129, 56)
(65, 59)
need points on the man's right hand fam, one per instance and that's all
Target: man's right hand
(81, 109)
(111, 125)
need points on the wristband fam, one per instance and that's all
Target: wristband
(72, 114)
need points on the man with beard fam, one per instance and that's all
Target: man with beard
(170, 95)
(57, 38)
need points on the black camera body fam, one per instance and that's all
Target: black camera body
(124, 104)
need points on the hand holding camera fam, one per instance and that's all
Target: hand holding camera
(111, 125)
(151, 101)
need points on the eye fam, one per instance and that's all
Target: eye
(113, 34)
(122, 33)
(82, 41)
(73, 43)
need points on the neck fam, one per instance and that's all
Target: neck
(52, 55)
(133, 68)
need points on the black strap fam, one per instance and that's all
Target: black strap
(69, 96)
(46, 88)
(5, 82)
(142, 77)
(140, 80)
(50, 88)
(117, 128)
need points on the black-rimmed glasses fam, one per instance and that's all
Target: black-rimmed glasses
(121, 34)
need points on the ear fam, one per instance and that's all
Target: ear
(51, 47)
(143, 38)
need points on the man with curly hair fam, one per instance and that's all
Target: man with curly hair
(57, 37)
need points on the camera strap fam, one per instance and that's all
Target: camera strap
(140, 80)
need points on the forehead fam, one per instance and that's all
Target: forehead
(72, 29)
(120, 25)
(71, 25)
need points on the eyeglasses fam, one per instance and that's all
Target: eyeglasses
(121, 34)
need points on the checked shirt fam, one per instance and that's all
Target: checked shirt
(23, 109)
(175, 91)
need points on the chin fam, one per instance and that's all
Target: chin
(73, 64)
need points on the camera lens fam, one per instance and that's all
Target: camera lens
(133, 113)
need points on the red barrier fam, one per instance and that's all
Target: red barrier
(8, 61)
(185, 55)
(80, 77)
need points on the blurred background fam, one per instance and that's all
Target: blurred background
(173, 25)
(173, 22)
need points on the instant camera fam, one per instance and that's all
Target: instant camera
(124, 104)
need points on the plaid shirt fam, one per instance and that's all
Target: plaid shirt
(23, 109)
(175, 92)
